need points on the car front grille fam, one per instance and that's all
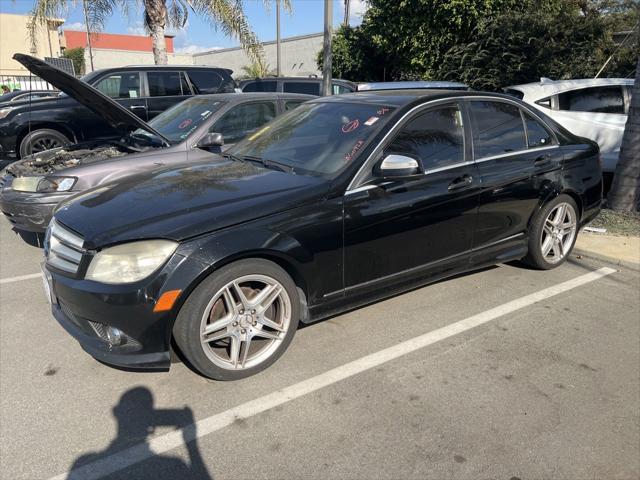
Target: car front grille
(63, 249)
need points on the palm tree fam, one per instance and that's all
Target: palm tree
(625, 190)
(159, 15)
(257, 69)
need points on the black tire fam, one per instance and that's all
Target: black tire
(186, 331)
(40, 140)
(535, 257)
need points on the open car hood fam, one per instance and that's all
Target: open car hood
(112, 112)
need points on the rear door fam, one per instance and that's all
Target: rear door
(516, 155)
(126, 89)
(165, 89)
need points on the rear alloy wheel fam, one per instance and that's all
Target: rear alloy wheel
(239, 320)
(553, 233)
(41, 140)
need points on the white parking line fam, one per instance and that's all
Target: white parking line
(163, 443)
(19, 278)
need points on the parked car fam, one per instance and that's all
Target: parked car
(412, 85)
(191, 131)
(594, 108)
(145, 90)
(343, 201)
(25, 95)
(306, 85)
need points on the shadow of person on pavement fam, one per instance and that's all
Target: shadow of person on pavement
(137, 420)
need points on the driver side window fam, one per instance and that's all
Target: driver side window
(434, 137)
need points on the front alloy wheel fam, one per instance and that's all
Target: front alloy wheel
(245, 322)
(239, 320)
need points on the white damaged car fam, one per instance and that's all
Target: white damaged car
(594, 108)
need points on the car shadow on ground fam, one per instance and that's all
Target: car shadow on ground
(137, 420)
(31, 238)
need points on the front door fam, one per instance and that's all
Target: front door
(396, 229)
(125, 88)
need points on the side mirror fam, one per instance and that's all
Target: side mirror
(398, 166)
(211, 140)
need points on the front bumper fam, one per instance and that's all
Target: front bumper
(30, 211)
(85, 309)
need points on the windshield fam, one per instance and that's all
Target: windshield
(316, 138)
(179, 121)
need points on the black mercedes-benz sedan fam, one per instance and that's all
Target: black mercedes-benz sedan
(336, 204)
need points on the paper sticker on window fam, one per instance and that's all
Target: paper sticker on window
(371, 121)
(185, 123)
(350, 126)
(133, 94)
(382, 111)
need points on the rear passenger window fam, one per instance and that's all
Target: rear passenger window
(595, 99)
(120, 85)
(537, 134)
(165, 84)
(436, 137)
(310, 88)
(261, 86)
(497, 129)
(205, 81)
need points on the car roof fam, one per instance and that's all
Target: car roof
(297, 79)
(546, 87)
(402, 97)
(411, 85)
(161, 67)
(237, 97)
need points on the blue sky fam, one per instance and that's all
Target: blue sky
(307, 17)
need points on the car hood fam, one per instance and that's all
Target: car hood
(112, 112)
(183, 202)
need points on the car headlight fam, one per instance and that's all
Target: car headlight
(43, 184)
(26, 184)
(129, 262)
(56, 184)
(5, 111)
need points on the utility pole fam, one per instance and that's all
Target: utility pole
(278, 65)
(326, 52)
(86, 21)
(347, 7)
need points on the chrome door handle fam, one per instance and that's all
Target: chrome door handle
(460, 182)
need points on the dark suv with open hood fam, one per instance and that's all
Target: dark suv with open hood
(145, 90)
(191, 131)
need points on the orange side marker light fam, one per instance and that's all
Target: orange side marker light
(166, 300)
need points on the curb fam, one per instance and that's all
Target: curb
(604, 258)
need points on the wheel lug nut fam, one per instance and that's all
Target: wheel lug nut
(241, 311)
(243, 331)
(254, 323)
(235, 324)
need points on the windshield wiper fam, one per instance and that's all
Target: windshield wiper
(272, 164)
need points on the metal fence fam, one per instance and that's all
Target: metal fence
(24, 82)
(31, 82)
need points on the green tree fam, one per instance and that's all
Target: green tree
(259, 69)
(486, 43)
(159, 15)
(76, 55)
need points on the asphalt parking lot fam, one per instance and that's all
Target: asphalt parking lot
(469, 378)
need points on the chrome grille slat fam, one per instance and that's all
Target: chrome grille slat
(63, 248)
